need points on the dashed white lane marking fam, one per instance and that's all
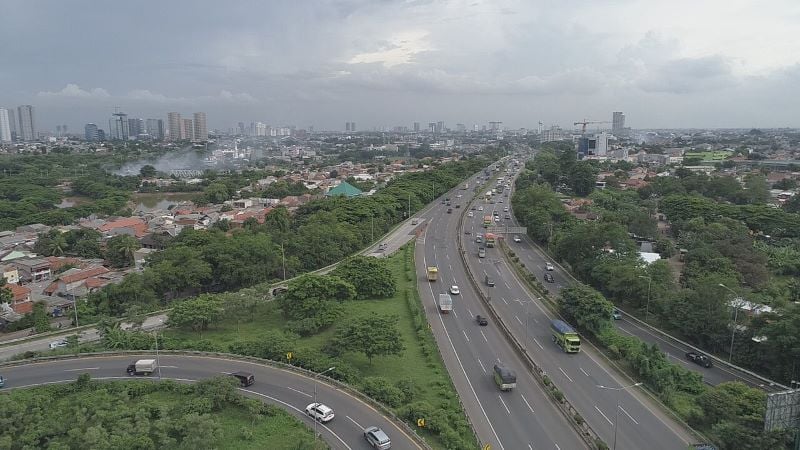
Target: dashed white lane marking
(526, 402)
(299, 391)
(601, 413)
(504, 404)
(565, 374)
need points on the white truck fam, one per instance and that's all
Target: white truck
(143, 367)
(445, 303)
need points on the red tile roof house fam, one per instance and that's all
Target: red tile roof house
(21, 299)
(127, 225)
(79, 282)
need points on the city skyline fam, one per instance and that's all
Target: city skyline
(725, 65)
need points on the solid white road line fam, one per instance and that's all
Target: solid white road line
(504, 404)
(526, 402)
(78, 370)
(601, 413)
(299, 391)
(629, 416)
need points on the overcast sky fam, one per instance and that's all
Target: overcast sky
(676, 63)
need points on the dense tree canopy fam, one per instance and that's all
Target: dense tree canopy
(370, 276)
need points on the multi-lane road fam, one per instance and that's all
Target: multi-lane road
(287, 389)
(639, 423)
(521, 419)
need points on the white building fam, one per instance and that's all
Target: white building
(5, 126)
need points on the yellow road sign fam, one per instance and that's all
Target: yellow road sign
(487, 447)
(289, 355)
(421, 423)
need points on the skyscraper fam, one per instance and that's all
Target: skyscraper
(12, 122)
(135, 127)
(27, 123)
(174, 124)
(118, 127)
(155, 128)
(90, 133)
(416, 127)
(5, 126)
(187, 129)
(200, 127)
(618, 123)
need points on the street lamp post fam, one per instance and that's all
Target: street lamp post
(158, 362)
(735, 305)
(647, 308)
(616, 417)
(315, 397)
(283, 259)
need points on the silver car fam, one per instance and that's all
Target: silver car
(377, 439)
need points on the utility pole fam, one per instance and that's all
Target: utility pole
(283, 258)
(616, 419)
(736, 302)
(315, 397)
(647, 309)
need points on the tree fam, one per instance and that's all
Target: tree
(313, 301)
(147, 171)
(370, 276)
(6, 296)
(373, 336)
(197, 313)
(581, 178)
(586, 307)
(120, 250)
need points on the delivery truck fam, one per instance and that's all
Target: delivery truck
(445, 303)
(565, 336)
(143, 367)
(504, 378)
(433, 273)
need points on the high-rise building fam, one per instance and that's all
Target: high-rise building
(90, 132)
(187, 129)
(618, 123)
(5, 126)
(416, 127)
(347, 126)
(155, 128)
(200, 127)
(12, 122)
(27, 123)
(174, 124)
(118, 127)
(135, 127)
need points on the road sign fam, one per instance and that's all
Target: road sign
(507, 230)
(421, 423)
(289, 355)
(487, 447)
(783, 410)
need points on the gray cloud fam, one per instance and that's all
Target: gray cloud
(389, 63)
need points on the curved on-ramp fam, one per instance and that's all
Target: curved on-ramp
(282, 386)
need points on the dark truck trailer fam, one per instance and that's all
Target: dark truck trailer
(504, 378)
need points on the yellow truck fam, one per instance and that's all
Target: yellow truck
(433, 273)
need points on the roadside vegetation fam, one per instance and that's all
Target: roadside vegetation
(210, 414)
(365, 319)
(735, 245)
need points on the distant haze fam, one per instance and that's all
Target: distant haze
(666, 64)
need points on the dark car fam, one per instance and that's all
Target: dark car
(699, 358)
(449, 210)
(245, 378)
(549, 277)
(458, 206)
(481, 320)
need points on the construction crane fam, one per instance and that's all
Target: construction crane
(586, 122)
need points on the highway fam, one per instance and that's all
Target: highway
(534, 259)
(639, 423)
(523, 418)
(287, 389)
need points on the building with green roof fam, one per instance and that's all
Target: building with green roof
(346, 189)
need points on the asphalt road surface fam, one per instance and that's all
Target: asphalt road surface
(639, 423)
(523, 418)
(289, 390)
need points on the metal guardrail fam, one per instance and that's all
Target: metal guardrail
(589, 436)
(350, 390)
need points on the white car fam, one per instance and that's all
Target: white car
(505, 209)
(470, 214)
(320, 412)
(549, 266)
(480, 208)
(58, 344)
(517, 239)
(455, 290)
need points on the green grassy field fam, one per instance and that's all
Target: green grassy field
(709, 156)
(420, 362)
